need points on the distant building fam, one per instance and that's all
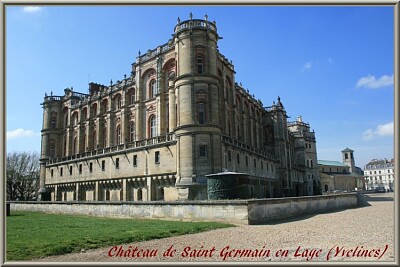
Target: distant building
(341, 176)
(179, 120)
(379, 174)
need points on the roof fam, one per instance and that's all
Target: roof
(347, 150)
(331, 163)
(379, 162)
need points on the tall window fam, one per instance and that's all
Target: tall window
(203, 151)
(105, 136)
(201, 112)
(52, 149)
(119, 102)
(75, 146)
(132, 97)
(53, 120)
(94, 140)
(75, 119)
(119, 135)
(132, 131)
(153, 88)
(200, 65)
(153, 126)
(157, 157)
(94, 110)
(84, 142)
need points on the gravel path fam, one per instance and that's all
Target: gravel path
(314, 238)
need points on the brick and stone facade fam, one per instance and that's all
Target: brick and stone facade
(157, 133)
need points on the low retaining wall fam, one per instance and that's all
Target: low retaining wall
(231, 211)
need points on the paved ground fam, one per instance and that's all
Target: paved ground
(361, 234)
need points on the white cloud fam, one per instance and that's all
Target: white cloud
(380, 130)
(31, 9)
(371, 82)
(18, 133)
(307, 66)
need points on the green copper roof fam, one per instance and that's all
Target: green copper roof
(331, 163)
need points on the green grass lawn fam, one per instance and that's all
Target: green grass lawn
(34, 234)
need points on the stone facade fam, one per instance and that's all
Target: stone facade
(341, 176)
(179, 116)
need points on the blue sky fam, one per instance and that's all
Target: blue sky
(332, 65)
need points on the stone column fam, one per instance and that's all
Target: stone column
(124, 190)
(149, 188)
(78, 194)
(96, 191)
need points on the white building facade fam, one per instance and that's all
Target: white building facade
(379, 175)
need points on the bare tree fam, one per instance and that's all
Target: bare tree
(22, 175)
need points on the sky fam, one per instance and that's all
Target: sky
(333, 65)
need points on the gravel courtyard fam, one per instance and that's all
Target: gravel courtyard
(361, 234)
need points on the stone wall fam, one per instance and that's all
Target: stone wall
(230, 211)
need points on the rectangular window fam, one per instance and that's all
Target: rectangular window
(70, 170)
(238, 158)
(90, 167)
(117, 163)
(199, 65)
(103, 165)
(203, 151)
(134, 160)
(247, 161)
(255, 163)
(61, 171)
(80, 168)
(262, 165)
(229, 156)
(157, 157)
(51, 173)
(201, 112)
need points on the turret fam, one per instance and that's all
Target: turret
(197, 92)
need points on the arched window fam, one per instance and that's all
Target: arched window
(94, 110)
(119, 135)
(153, 88)
(117, 102)
(84, 113)
(132, 132)
(104, 106)
(153, 126)
(201, 113)
(200, 65)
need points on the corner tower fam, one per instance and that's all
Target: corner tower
(197, 96)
